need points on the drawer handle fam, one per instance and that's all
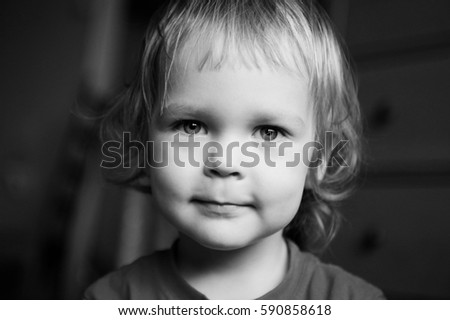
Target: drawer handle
(381, 116)
(369, 242)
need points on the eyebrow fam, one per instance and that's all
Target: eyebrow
(180, 107)
(280, 117)
(191, 110)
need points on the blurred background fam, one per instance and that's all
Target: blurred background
(62, 225)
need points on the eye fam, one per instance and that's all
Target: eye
(269, 133)
(190, 126)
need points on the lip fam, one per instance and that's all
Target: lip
(219, 208)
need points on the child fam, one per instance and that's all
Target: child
(248, 85)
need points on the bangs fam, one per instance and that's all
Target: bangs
(261, 33)
(211, 48)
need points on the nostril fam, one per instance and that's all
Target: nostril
(235, 174)
(215, 173)
(222, 172)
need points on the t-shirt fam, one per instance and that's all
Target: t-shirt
(155, 277)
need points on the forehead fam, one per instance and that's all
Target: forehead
(238, 94)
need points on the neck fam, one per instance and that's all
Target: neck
(244, 273)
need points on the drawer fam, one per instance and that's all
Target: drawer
(399, 240)
(406, 112)
(395, 23)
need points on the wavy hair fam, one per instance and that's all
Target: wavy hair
(292, 34)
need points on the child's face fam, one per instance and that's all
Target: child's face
(230, 207)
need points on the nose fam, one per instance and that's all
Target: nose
(221, 171)
(224, 161)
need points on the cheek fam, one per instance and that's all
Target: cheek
(282, 189)
(170, 193)
(173, 166)
(170, 183)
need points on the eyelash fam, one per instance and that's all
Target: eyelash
(276, 130)
(182, 125)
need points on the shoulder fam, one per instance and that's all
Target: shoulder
(327, 281)
(314, 280)
(133, 281)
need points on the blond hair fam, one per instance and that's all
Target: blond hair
(293, 34)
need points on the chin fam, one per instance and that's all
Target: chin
(222, 246)
(224, 243)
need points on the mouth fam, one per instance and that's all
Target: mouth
(219, 208)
